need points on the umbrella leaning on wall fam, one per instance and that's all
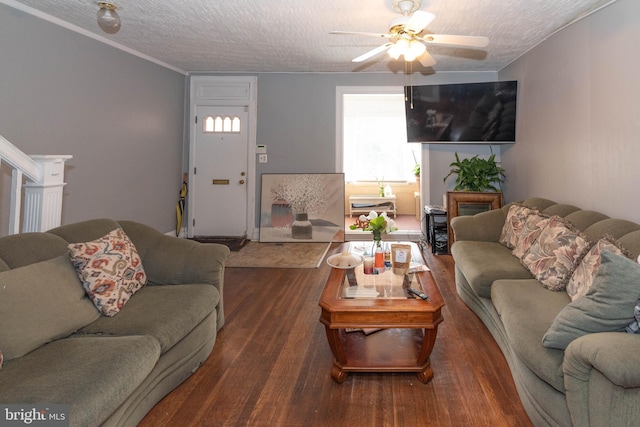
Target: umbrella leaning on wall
(180, 205)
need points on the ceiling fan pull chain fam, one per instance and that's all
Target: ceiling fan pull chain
(410, 81)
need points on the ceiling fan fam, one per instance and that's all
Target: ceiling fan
(406, 38)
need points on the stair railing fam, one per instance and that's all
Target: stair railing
(43, 180)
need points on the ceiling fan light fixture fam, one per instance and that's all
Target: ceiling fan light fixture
(414, 50)
(108, 18)
(399, 48)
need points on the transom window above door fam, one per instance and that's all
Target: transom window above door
(219, 124)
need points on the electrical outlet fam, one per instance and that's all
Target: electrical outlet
(262, 158)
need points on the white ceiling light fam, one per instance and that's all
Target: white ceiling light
(406, 36)
(414, 50)
(108, 18)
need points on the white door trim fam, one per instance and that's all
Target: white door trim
(225, 91)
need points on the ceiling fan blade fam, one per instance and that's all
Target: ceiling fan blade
(427, 60)
(372, 53)
(463, 41)
(419, 20)
(358, 33)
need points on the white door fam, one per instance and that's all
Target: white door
(220, 171)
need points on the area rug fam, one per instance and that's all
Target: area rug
(279, 255)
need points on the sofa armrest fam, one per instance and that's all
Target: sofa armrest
(178, 261)
(169, 260)
(602, 378)
(484, 227)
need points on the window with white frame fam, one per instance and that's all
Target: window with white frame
(374, 138)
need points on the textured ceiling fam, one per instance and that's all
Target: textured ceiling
(293, 35)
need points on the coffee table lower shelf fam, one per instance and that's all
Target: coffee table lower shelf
(387, 350)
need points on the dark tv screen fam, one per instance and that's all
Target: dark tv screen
(464, 113)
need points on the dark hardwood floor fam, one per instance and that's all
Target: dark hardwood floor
(271, 366)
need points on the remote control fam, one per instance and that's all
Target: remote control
(418, 293)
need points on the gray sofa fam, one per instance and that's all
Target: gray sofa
(111, 370)
(595, 381)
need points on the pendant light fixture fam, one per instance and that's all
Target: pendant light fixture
(108, 18)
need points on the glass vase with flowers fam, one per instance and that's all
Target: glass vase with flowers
(378, 225)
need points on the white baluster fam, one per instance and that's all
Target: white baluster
(16, 201)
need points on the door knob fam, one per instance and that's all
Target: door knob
(241, 181)
(242, 173)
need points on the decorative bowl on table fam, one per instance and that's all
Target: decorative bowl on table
(345, 260)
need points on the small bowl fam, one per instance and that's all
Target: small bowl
(333, 261)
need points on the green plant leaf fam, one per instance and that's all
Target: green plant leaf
(476, 174)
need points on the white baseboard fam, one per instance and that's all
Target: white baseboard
(182, 235)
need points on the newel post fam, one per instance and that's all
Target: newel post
(43, 199)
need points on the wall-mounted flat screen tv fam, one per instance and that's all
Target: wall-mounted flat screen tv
(462, 113)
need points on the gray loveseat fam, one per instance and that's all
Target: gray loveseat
(59, 349)
(595, 381)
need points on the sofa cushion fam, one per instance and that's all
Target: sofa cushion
(39, 303)
(531, 229)
(110, 269)
(608, 305)
(513, 225)
(166, 312)
(583, 275)
(18, 250)
(611, 227)
(93, 374)
(631, 242)
(555, 254)
(484, 262)
(527, 310)
(583, 219)
(85, 231)
(560, 209)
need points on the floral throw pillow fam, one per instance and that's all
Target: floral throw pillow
(582, 277)
(531, 228)
(513, 225)
(555, 254)
(110, 270)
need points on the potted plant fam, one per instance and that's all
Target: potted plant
(416, 168)
(476, 174)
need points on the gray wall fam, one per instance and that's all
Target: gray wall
(121, 118)
(297, 122)
(578, 117)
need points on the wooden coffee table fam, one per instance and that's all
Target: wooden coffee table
(408, 325)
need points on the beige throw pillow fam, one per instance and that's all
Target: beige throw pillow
(110, 269)
(514, 224)
(582, 277)
(531, 228)
(555, 254)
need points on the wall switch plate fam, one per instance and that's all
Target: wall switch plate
(262, 158)
(261, 149)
